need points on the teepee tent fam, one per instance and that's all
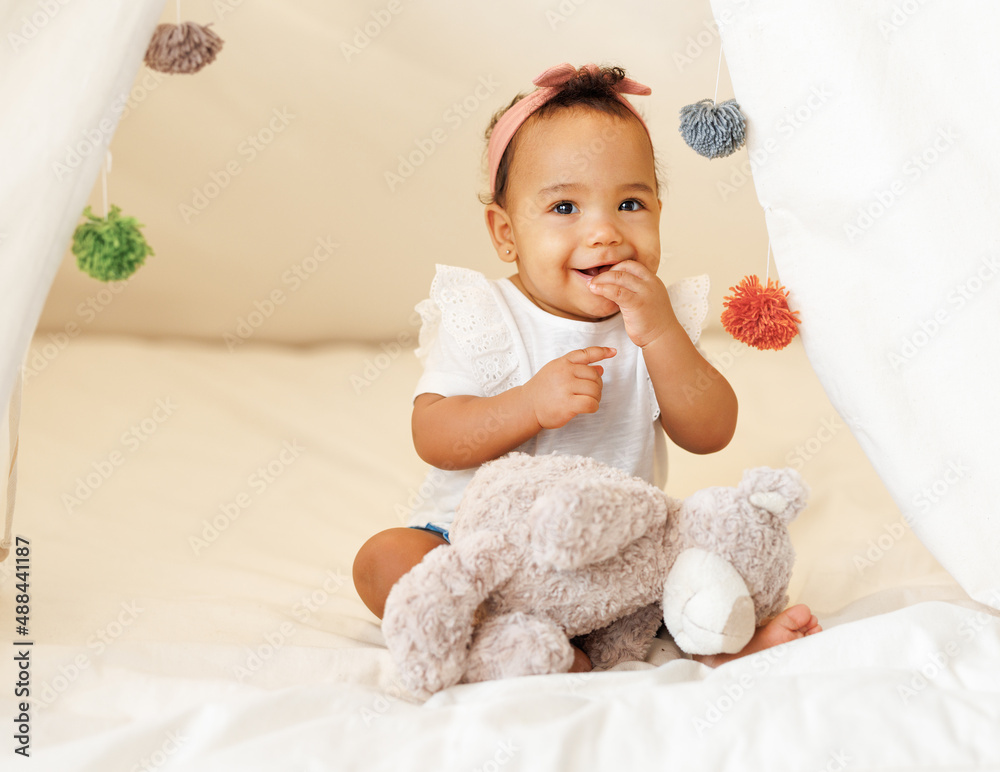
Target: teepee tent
(65, 75)
(205, 447)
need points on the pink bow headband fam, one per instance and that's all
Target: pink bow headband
(549, 84)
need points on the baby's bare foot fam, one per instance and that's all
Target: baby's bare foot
(581, 662)
(792, 623)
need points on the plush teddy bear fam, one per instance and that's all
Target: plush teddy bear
(553, 547)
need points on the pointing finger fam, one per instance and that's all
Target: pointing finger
(590, 355)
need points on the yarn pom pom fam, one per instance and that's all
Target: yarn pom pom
(713, 130)
(759, 315)
(182, 48)
(109, 249)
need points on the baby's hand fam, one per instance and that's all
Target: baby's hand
(642, 298)
(567, 386)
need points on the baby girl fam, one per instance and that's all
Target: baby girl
(581, 350)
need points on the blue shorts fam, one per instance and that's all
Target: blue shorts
(443, 532)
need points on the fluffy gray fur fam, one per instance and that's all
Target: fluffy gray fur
(548, 548)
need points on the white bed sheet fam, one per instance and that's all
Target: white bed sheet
(251, 650)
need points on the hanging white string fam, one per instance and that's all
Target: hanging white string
(767, 258)
(178, 13)
(717, 74)
(105, 169)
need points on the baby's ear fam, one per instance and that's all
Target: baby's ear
(498, 223)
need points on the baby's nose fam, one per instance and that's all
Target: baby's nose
(603, 231)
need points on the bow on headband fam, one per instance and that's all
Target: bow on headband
(549, 84)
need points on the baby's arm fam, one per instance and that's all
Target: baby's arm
(463, 431)
(697, 405)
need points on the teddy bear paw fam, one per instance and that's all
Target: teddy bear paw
(517, 644)
(706, 605)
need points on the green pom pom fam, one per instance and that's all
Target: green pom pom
(109, 249)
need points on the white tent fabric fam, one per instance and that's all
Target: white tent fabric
(869, 132)
(65, 73)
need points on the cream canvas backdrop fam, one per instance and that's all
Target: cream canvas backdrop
(262, 180)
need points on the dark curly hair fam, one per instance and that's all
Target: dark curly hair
(594, 90)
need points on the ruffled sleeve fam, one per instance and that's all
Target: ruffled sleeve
(464, 303)
(689, 298)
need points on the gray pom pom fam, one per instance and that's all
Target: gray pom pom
(182, 48)
(713, 130)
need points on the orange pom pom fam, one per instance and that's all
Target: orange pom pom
(759, 316)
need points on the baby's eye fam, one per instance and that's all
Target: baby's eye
(565, 207)
(630, 205)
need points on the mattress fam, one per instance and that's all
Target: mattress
(190, 515)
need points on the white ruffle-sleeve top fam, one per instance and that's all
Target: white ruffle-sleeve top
(481, 337)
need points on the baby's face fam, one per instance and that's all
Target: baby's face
(581, 197)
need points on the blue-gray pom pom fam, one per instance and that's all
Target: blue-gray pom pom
(713, 130)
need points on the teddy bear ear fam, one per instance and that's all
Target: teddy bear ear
(778, 491)
(773, 502)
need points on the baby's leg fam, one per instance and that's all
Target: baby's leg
(385, 557)
(792, 623)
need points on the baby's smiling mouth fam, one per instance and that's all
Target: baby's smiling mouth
(595, 270)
